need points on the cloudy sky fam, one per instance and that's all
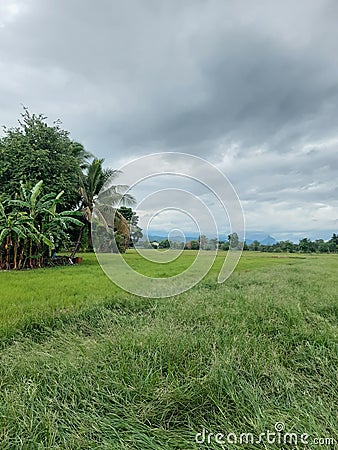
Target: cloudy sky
(250, 86)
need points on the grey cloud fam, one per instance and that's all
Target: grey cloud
(251, 86)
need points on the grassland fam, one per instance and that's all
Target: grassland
(86, 366)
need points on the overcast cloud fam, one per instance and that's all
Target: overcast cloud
(250, 86)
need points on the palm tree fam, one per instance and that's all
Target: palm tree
(81, 154)
(91, 184)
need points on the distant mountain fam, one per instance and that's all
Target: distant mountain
(269, 240)
(260, 236)
(173, 238)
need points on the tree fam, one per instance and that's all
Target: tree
(233, 240)
(212, 244)
(35, 151)
(14, 227)
(91, 184)
(322, 246)
(305, 245)
(164, 244)
(127, 213)
(287, 246)
(93, 195)
(254, 246)
(135, 231)
(224, 245)
(31, 226)
(333, 243)
(81, 154)
(203, 241)
(194, 245)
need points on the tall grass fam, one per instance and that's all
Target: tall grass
(118, 372)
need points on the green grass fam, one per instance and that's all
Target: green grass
(86, 366)
(30, 297)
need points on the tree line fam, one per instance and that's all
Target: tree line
(49, 186)
(304, 245)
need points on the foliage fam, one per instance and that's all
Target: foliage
(97, 190)
(107, 237)
(135, 231)
(233, 240)
(30, 227)
(305, 245)
(192, 245)
(224, 246)
(203, 241)
(35, 151)
(164, 244)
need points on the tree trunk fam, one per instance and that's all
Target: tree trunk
(90, 240)
(30, 254)
(78, 242)
(21, 255)
(7, 253)
(16, 244)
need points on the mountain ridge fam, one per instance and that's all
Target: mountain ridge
(262, 237)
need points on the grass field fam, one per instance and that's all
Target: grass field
(86, 366)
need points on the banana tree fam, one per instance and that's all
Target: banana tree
(41, 224)
(34, 208)
(16, 227)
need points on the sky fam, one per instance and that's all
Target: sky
(252, 87)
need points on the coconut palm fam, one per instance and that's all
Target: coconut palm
(81, 154)
(97, 190)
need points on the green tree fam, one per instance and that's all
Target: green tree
(14, 228)
(135, 231)
(254, 246)
(305, 245)
(287, 246)
(233, 240)
(321, 246)
(164, 244)
(195, 245)
(31, 226)
(203, 241)
(35, 151)
(333, 243)
(212, 244)
(81, 154)
(127, 213)
(105, 200)
(224, 245)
